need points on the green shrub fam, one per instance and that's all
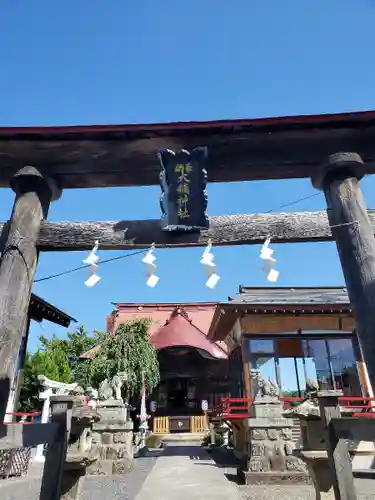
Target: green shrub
(154, 441)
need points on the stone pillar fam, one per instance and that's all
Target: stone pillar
(270, 446)
(112, 440)
(45, 395)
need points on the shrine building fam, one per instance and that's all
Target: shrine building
(192, 368)
(207, 350)
(291, 335)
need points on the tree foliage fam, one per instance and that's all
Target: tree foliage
(58, 360)
(49, 361)
(129, 351)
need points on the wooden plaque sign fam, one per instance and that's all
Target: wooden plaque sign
(183, 181)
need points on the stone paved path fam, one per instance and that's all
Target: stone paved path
(186, 473)
(177, 473)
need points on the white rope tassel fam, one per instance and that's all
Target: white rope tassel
(91, 260)
(210, 267)
(149, 259)
(269, 262)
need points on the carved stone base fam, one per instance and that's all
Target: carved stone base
(112, 410)
(110, 467)
(112, 446)
(270, 445)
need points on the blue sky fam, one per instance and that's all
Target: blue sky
(91, 62)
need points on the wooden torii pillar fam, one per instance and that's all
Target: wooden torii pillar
(354, 236)
(19, 256)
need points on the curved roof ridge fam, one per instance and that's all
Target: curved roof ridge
(180, 311)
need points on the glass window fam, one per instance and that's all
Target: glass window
(289, 383)
(317, 351)
(344, 366)
(343, 349)
(261, 346)
(291, 361)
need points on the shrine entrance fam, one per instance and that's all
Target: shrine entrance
(137, 155)
(177, 390)
(187, 380)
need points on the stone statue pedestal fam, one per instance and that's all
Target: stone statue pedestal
(112, 439)
(112, 410)
(270, 446)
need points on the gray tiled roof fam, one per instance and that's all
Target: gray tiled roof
(291, 296)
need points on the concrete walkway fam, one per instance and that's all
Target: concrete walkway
(184, 472)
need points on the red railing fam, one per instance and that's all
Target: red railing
(239, 408)
(21, 414)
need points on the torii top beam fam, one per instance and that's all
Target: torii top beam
(239, 150)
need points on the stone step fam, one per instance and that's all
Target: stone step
(183, 437)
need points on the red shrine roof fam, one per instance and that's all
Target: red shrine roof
(179, 331)
(172, 325)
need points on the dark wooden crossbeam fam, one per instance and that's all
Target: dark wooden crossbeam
(239, 150)
(297, 227)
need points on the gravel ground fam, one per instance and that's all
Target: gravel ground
(365, 491)
(123, 487)
(227, 462)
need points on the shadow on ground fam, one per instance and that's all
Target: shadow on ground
(194, 452)
(225, 458)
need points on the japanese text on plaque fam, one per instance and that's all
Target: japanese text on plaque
(183, 189)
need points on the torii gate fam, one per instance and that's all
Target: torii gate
(335, 151)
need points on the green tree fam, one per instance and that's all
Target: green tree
(50, 362)
(129, 351)
(57, 359)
